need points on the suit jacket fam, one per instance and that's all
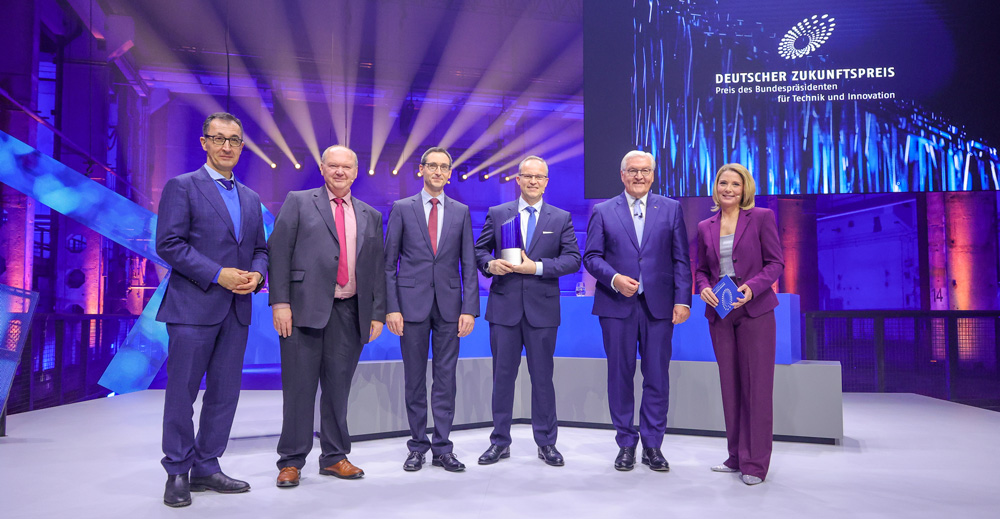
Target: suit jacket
(662, 259)
(305, 254)
(415, 276)
(516, 296)
(196, 237)
(757, 257)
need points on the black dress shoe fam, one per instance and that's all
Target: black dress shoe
(654, 458)
(449, 462)
(494, 454)
(220, 483)
(551, 455)
(626, 459)
(178, 491)
(414, 461)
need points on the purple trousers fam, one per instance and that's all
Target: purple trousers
(744, 347)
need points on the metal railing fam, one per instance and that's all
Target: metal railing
(64, 357)
(951, 355)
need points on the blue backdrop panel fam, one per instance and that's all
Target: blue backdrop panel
(579, 335)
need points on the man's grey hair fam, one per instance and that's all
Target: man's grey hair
(545, 165)
(638, 153)
(342, 147)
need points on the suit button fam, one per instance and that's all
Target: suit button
(735, 260)
(432, 285)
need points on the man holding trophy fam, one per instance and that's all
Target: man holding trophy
(536, 245)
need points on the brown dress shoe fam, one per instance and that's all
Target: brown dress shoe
(343, 469)
(288, 477)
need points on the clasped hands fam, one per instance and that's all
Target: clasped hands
(500, 267)
(709, 297)
(238, 281)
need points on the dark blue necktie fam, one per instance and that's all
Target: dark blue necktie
(228, 184)
(531, 226)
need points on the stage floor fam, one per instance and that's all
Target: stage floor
(902, 456)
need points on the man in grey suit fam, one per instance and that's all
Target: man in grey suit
(523, 309)
(326, 290)
(210, 231)
(432, 288)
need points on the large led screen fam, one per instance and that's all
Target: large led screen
(813, 96)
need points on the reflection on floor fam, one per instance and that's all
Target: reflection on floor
(903, 456)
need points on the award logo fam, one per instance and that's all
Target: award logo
(806, 36)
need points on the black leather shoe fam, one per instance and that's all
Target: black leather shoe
(654, 458)
(626, 459)
(178, 491)
(449, 462)
(414, 461)
(494, 454)
(220, 483)
(551, 455)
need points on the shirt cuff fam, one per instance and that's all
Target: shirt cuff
(279, 306)
(216, 278)
(613, 282)
(538, 268)
(682, 304)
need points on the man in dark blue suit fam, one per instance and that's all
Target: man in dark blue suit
(432, 289)
(523, 308)
(637, 250)
(210, 231)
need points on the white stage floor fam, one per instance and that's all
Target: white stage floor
(902, 456)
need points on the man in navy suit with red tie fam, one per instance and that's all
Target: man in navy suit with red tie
(210, 231)
(523, 309)
(637, 250)
(432, 289)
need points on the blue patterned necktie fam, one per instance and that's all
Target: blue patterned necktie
(637, 219)
(228, 184)
(531, 226)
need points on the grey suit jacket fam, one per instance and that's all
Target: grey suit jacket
(303, 270)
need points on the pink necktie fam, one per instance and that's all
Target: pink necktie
(432, 225)
(342, 276)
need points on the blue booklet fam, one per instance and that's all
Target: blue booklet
(726, 291)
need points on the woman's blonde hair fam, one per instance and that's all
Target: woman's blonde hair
(749, 186)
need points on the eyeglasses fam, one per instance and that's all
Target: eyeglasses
(632, 172)
(219, 140)
(529, 178)
(432, 167)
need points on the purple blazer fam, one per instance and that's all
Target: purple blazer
(414, 276)
(196, 237)
(757, 258)
(662, 259)
(518, 296)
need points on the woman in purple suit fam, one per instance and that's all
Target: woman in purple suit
(741, 241)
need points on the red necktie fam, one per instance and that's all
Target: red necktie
(432, 225)
(342, 276)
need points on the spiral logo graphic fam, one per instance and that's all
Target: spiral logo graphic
(806, 36)
(726, 300)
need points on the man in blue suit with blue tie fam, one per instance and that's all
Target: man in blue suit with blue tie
(210, 231)
(637, 250)
(523, 309)
(432, 289)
